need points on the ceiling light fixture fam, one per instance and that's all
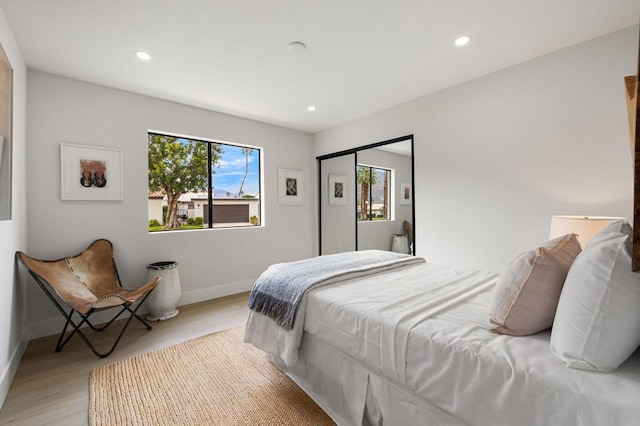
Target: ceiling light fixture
(462, 40)
(143, 56)
(311, 108)
(297, 47)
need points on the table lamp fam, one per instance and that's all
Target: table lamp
(584, 226)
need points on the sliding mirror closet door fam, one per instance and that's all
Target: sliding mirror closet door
(337, 204)
(366, 198)
(384, 196)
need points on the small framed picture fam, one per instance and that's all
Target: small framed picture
(405, 192)
(337, 190)
(90, 173)
(290, 186)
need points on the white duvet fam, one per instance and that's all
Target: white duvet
(425, 328)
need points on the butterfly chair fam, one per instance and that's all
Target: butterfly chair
(88, 283)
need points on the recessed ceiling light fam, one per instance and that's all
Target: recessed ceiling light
(311, 108)
(462, 40)
(297, 47)
(143, 56)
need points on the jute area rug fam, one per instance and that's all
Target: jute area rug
(211, 380)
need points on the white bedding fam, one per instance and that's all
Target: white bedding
(417, 339)
(266, 334)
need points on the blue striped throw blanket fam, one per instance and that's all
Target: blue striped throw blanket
(279, 289)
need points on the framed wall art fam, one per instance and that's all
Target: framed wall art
(406, 194)
(337, 190)
(290, 186)
(90, 173)
(6, 135)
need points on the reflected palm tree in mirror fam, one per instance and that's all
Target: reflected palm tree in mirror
(365, 179)
(374, 195)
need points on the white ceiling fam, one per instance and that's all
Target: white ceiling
(363, 55)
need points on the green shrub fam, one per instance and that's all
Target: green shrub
(195, 221)
(154, 222)
(253, 220)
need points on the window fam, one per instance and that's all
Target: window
(195, 184)
(374, 193)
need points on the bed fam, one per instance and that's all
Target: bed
(411, 345)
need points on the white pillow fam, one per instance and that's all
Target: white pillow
(620, 226)
(597, 324)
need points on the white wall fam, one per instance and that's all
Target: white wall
(13, 233)
(497, 156)
(212, 263)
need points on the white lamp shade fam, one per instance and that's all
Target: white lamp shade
(584, 226)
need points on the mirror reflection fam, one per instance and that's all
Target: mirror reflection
(366, 198)
(337, 184)
(382, 209)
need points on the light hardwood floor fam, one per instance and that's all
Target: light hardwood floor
(53, 388)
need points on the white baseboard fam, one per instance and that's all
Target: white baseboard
(9, 373)
(54, 325)
(216, 292)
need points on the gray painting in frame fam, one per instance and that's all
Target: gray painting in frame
(337, 190)
(290, 186)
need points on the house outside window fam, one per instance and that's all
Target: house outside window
(374, 193)
(196, 183)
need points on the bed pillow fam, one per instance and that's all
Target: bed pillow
(526, 295)
(597, 325)
(620, 226)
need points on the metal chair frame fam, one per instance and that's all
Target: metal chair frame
(85, 319)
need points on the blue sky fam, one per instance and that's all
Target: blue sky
(230, 169)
